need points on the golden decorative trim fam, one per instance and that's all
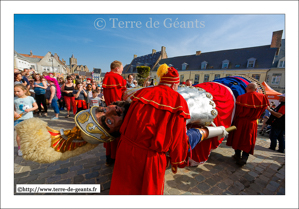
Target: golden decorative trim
(59, 144)
(170, 77)
(250, 105)
(175, 163)
(52, 130)
(111, 138)
(113, 85)
(161, 104)
(96, 120)
(83, 117)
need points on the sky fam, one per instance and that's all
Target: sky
(98, 39)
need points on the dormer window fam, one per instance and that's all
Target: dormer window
(281, 63)
(225, 63)
(184, 66)
(204, 65)
(251, 62)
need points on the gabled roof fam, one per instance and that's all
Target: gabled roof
(237, 58)
(148, 60)
(32, 56)
(28, 59)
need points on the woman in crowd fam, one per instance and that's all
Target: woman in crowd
(100, 95)
(40, 87)
(94, 85)
(69, 99)
(80, 97)
(51, 95)
(61, 100)
(18, 78)
(31, 88)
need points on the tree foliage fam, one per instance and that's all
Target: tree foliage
(143, 73)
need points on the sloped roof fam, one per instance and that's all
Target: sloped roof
(32, 56)
(237, 58)
(29, 59)
(148, 60)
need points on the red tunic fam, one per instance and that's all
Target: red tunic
(155, 124)
(250, 106)
(114, 85)
(224, 101)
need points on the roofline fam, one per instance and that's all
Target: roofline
(216, 51)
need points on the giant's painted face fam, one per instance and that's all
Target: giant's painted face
(110, 117)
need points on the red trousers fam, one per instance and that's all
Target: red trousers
(68, 101)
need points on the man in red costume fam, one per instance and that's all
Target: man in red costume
(155, 124)
(114, 85)
(250, 106)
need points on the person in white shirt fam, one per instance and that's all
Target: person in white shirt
(94, 100)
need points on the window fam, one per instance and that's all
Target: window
(182, 78)
(281, 64)
(267, 78)
(204, 65)
(184, 66)
(251, 62)
(225, 63)
(227, 75)
(217, 76)
(256, 76)
(276, 78)
(196, 79)
(206, 78)
(237, 66)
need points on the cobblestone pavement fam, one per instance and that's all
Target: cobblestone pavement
(264, 173)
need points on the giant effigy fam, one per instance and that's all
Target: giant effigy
(211, 104)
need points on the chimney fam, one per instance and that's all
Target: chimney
(198, 53)
(30, 52)
(276, 39)
(56, 56)
(135, 56)
(163, 52)
(63, 61)
(153, 51)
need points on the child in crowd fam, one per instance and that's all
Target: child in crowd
(24, 107)
(80, 97)
(94, 100)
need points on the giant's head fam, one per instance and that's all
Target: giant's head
(102, 124)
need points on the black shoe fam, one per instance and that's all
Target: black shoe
(271, 148)
(236, 157)
(241, 161)
(282, 151)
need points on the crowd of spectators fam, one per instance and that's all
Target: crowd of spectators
(77, 93)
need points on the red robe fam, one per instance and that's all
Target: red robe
(225, 103)
(250, 106)
(155, 124)
(114, 86)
